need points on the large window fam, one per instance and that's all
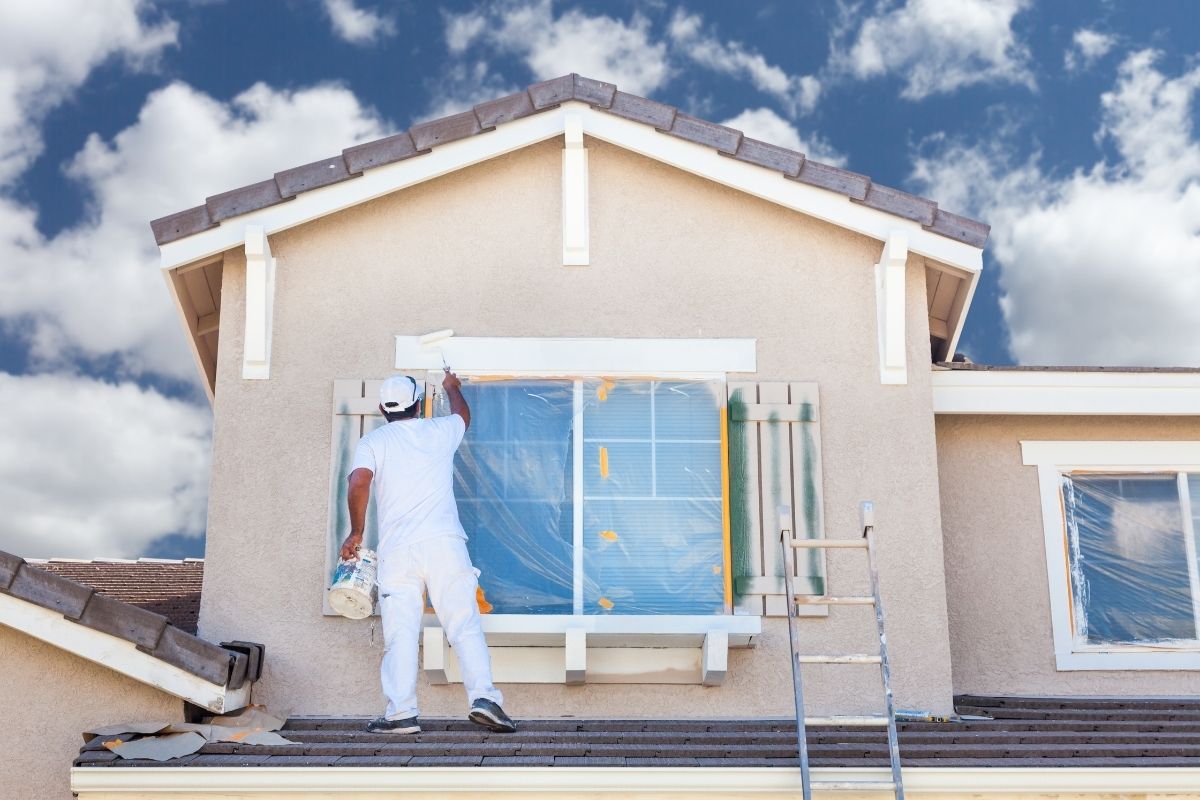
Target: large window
(1133, 557)
(595, 496)
(1121, 520)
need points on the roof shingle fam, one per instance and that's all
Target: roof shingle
(421, 138)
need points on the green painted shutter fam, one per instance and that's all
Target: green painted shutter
(774, 460)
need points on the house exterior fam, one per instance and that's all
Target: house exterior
(678, 341)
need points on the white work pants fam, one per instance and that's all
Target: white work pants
(442, 565)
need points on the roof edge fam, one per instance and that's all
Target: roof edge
(421, 138)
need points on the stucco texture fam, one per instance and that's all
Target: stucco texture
(996, 581)
(479, 251)
(50, 697)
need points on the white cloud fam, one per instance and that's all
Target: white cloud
(938, 46)
(767, 126)
(600, 47)
(48, 49)
(93, 290)
(93, 469)
(1101, 266)
(797, 93)
(357, 25)
(1086, 47)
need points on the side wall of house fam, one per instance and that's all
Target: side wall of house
(50, 697)
(479, 251)
(996, 582)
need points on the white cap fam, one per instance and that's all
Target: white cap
(398, 393)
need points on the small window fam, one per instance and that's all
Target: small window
(1133, 569)
(595, 496)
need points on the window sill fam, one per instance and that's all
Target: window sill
(540, 648)
(1128, 659)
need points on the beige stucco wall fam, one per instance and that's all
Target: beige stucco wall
(50, 697)
(996, 581)
(479, 251)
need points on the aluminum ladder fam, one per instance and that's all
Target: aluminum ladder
(790, 544)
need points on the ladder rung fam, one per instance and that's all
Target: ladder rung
(815, 543)
(823, 599)
(847, 659)
(858, 722)
(861, 786)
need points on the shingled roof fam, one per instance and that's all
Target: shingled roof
(422, 138)
(151, 632)
(167, 587)
(1010, 732)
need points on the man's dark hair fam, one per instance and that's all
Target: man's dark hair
(408, 413)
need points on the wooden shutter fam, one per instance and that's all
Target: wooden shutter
(355, 413)
(774, 460)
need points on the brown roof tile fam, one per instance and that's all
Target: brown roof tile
(240, 201)
(902, 204)
(835, 179)
(63, 586)
(770, 156)
(380, 152)
(548, 94)
(706, 133)
(641, 109)
(447, 129)
(170, 588)
(327, 171)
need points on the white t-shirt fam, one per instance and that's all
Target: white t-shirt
(413, 462)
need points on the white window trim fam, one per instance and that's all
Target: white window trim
(1052, 460)
(578, 357)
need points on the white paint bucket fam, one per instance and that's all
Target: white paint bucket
(353, 591)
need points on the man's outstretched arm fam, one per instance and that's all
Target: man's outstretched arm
(458, 403)
(357, 497)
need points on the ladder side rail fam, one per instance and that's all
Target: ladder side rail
(885, 669)
(785, 535)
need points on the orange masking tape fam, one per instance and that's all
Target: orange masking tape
(603, 462)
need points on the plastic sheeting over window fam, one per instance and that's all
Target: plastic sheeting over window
(1132, 558)
(650, 533)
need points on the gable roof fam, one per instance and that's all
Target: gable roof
(135, 641)
(167, 587)
(420, 140)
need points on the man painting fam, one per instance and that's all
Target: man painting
(422, 546)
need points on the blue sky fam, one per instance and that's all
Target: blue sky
(1068, 126)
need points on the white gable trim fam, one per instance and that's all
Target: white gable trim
(635, 136)
(1065, 392)
(118, 655)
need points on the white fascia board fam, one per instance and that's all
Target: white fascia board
(118, 655)
(1064, 392)
(593, 357)
(374, 183)
(635, 136)
(193, 338)
(772, 186)
(549, 782)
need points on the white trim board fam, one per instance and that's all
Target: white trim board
(1065, 392)
(634, 136)
(1052, 459)
(269, 783)
(576, 357)
(118, 655)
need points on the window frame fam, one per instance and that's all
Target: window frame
(1054, 459)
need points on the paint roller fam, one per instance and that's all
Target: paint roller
(436, 338)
